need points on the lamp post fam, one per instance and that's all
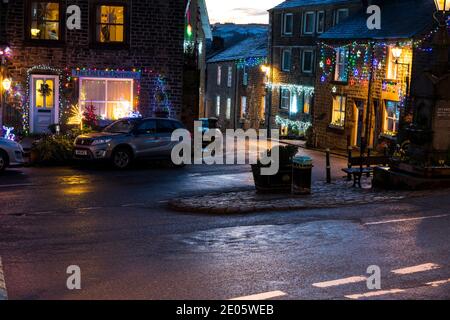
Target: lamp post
(441, 40)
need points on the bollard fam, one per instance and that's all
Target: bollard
(349, 164)
(328, 166)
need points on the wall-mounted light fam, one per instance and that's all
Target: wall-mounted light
(6, 83)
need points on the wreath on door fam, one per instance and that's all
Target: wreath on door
(45, 90)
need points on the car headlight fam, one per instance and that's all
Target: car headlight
(101, 141)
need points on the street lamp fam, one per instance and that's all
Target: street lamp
(6, 83)
(442, 5)
(441, 40)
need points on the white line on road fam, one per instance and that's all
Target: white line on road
(438, 283)
(263, 296)
(405, 220)
(374, 294)
(339, 282)
(3, 291)
(416, 269)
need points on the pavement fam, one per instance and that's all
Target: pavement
(117, 227)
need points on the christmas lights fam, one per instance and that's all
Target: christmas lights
(300, 126)
(251, 62)
(293, 88)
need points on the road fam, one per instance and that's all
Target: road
(116, 227)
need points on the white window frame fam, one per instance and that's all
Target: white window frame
(341, 111)
(218, 106)
(304, 70)
(243, 106)
(392, 66)
(283, 58)
(313, 14)
(228, 111)
(336, 17)
(284, 30)
(320, 13)
(287, 97)
(81, 79)
(395, 120)
(341, 64)
(219, 75)
(245, 77)
(230, 77)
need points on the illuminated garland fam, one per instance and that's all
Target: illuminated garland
(300, 126)
(293, 88)
(251, 62)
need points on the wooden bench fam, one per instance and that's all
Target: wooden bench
(357, 174)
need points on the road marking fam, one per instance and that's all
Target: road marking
(3, 291)
(374, 294)
(16, 185)
(263, 296)
(416, 269)
(405, 220)
(132, 205)
(339, 282)
(438, 283)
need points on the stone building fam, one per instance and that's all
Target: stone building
(295, 26)
(126, 56)
(236, 93)
(364, 76)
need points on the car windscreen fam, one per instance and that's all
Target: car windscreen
(122, 126)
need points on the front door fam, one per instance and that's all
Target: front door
(359, 121)
(44, 102)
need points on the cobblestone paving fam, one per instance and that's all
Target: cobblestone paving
(337, 194)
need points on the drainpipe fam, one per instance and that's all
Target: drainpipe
(369, 101)
(269, 90)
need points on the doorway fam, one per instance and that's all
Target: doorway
(44, 102)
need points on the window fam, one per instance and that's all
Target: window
(243, 107)
(110, 98)
(286, 60)
(392, 117)
(392, 66)
(45, 20)
(320, 21)
(245, 78)
(218, 106)
(338, 115)
(230, 77)
(110, 24)
(307, 103)
(262, 109)
(341, 65)
(285, 102)
(288, 24)
(308, 61)
(166, 126)
(228, 113)
(44, 95)
(340, 15)
(309, 22)
(219, 75)
(147, 127)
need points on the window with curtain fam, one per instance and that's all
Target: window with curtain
(341, 65)
(111, 98)
(392, 119)
(45, 20)
(392, 66)
(110, 24)
(338, 111)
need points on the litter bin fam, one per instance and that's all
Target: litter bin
(301, 175)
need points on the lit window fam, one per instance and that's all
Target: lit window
(285, 99)
(340, 15)
(338, 115)
(110, 24)
(228, 113)
(219, 75)
(308, 61)
(262, 109)
(309, 22)
(44, 95)
(286, 60)
(341, 65)
(45, 21)
(320, 21)
(218, 106)
(307, 103)
(288, 23)
(111, 98)
(243, 107)
(392, 66)
(230, 77)
(392, 117)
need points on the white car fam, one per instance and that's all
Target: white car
(11, 154)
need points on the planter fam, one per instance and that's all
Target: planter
(278, 183)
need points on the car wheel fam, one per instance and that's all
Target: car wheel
(122, 158)
(3, 161)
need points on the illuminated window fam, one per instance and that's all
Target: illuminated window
(45, 21)
(243, 107)
(110, 24)
(230, 77)
(218, 106)
(262, 109)
(45, 93)
(392, 119)
(111, 98)
(219, 75)
(341, 65)
(338, 115)
(228, 113)
(392, 66)
(307, 103)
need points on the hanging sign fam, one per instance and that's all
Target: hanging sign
(118, 74)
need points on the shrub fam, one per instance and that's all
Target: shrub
(286, 154)
(53, 150)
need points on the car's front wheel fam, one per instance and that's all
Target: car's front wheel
(3, 161)
(121, 158)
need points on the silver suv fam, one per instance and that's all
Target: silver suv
(129, 139)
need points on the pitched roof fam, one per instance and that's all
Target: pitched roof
(304, 3)
(253, 47)
(400, 19)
